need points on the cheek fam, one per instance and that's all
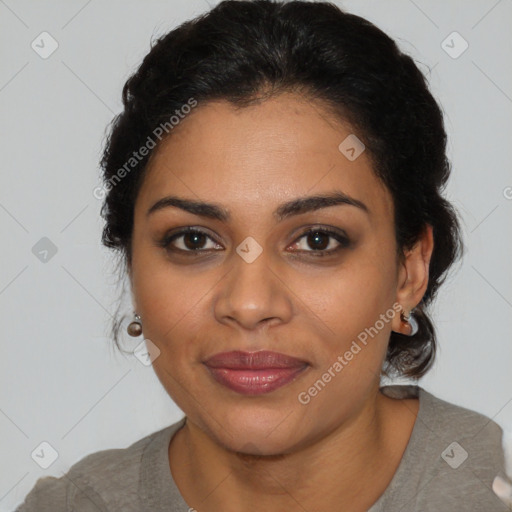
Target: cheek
(170, 306)
(168, 299)
(352, 302)
(358, 308)
(354, 296)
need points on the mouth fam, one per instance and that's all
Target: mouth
(254, 373)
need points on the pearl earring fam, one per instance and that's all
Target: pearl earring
(135, 328)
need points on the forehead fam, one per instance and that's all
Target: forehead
(257, 157)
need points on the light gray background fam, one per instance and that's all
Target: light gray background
(60, 380)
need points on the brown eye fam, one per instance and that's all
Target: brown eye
(189, 240)
(194, 241)
(318, 240)
(321, 241)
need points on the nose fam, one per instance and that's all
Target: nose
(253, 295)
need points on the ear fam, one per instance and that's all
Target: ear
(413, 276)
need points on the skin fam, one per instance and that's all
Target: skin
(271, 452)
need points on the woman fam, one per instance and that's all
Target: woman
(274, 187)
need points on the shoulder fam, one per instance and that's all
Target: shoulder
(454, 454)
(448, 420)
(99, 482)
(480, 433)
(469, 452)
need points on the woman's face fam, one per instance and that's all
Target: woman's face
(255, 280)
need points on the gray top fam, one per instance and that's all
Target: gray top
(448, 465)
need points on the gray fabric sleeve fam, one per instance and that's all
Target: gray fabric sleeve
(48, 494)
(65, 494)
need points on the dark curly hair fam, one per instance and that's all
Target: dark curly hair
(247, 51)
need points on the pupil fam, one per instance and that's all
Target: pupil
(196, 239)
(316, 239)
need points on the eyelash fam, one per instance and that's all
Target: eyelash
(341, 239)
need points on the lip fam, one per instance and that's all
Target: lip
(254, 373)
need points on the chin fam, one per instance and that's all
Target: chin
(256, 430)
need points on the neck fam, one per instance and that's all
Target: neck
(341, 464)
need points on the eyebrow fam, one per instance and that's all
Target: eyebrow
(295, 207)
